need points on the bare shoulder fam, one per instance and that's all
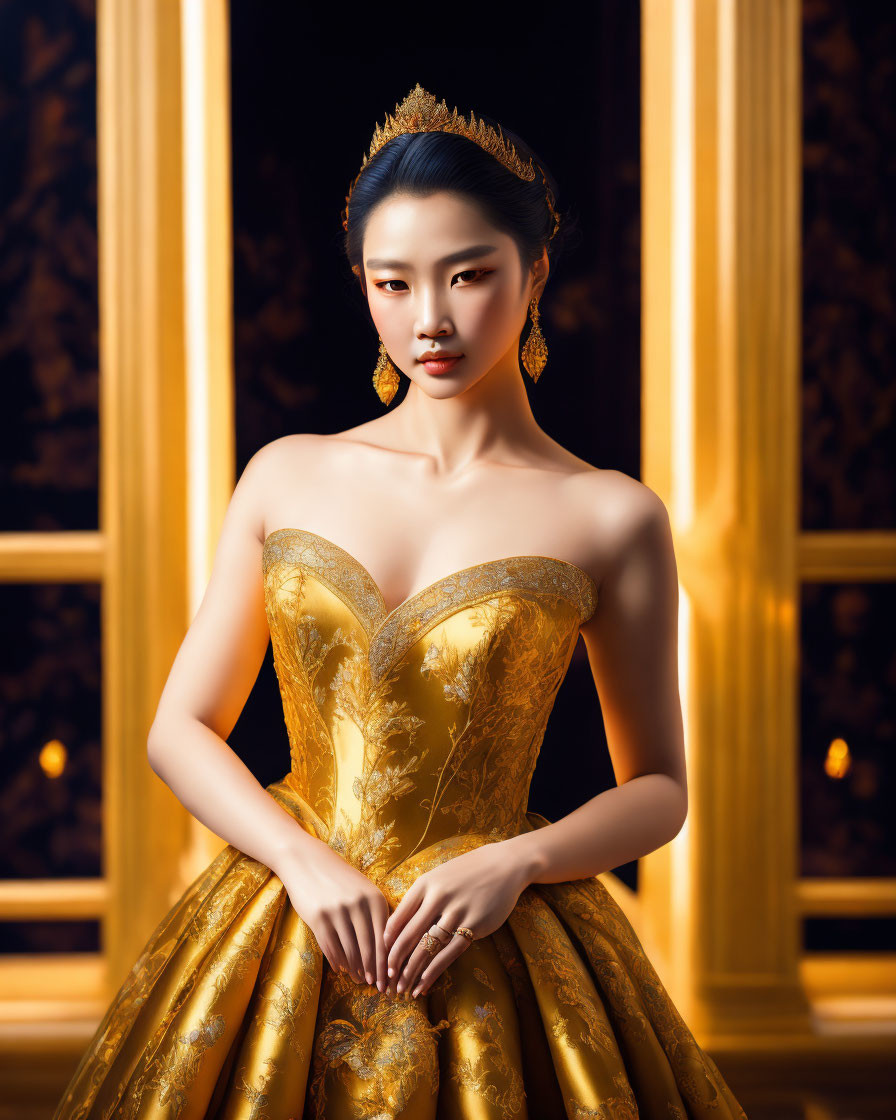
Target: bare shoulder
(612, 503)
(270, 459)
(619, 501)
(274, 472)
(307, 449)
(621, 515)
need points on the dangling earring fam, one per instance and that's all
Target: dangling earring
(535, 351)
(386, 378)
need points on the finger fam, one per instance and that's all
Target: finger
(402, 951)
(457, 945)
(363, 926)
(409, 970)
(416, 921)
(345, 931)
(419, 959)
(382, 953)
(404, 912)
(331, 946)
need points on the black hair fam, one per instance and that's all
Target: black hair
(422, 163)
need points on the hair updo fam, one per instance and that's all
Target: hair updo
(422, 163)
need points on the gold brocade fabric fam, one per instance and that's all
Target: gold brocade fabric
(413, 738)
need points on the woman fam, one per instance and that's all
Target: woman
(390, 933)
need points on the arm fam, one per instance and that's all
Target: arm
(632, 645)
(207, 687)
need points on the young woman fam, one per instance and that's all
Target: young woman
(390, 932)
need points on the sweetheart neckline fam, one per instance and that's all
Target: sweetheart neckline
(405, 603)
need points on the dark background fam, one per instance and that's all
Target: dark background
(305, 347)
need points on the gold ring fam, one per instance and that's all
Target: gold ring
(431, 944)
(464, 932)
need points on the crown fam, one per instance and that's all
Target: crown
(420, 112)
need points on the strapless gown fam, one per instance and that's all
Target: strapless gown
(413, 738)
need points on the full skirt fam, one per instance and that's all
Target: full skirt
(231, 1011)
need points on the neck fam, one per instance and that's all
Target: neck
(489, 419)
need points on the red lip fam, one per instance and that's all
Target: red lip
(440, 357)
(438, 366)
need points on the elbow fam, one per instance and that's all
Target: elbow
(676, 808)
(151, 755)
(161, 740)
(154, 749)
(682, 814)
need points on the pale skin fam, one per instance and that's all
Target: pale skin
(456, 474)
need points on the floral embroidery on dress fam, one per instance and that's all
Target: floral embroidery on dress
(390, 632)
(374, 1049)
(413, 737)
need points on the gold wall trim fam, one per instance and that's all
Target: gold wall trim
(66, 557)
(847, 898)
(721, 136)
(53, 899)
(142, 438)
(846, 556)
(166, 413)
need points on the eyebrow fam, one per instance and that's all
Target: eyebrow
(452, 258)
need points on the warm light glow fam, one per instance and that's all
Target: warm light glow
(682, 293)
(53, 758)
(838, 760)
(195, 113)
(681, 900)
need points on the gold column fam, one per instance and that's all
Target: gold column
(721, 269)
(143, 450)
(166, 412)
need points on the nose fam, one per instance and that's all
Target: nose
(432, 316)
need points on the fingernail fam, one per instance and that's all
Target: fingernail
(416, 992)
(380, 985)
(369, 976)
(391, 971)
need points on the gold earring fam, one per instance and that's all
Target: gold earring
(386, 378)
(535, 351)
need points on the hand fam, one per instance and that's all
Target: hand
(478, 889)
(345, 911)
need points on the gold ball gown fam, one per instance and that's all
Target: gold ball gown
(413, 739)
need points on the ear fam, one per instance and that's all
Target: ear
(540, 271)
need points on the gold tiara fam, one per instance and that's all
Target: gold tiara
(420, 112)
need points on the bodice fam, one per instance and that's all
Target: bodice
(419, 727)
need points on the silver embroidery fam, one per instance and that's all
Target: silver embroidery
(391, 633)
(335, 567)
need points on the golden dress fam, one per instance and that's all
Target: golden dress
(413, 739)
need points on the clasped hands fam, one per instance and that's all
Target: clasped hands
(349, 914)
(477, 890)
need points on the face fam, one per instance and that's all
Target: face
(440, 277)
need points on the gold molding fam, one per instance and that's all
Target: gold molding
(143, 471)
(53, 899)
(67, 557)
(846, 556)
(846, 898)
(721, 139)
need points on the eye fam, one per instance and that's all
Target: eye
(466, 272)
(473, 271)
(382, 284)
